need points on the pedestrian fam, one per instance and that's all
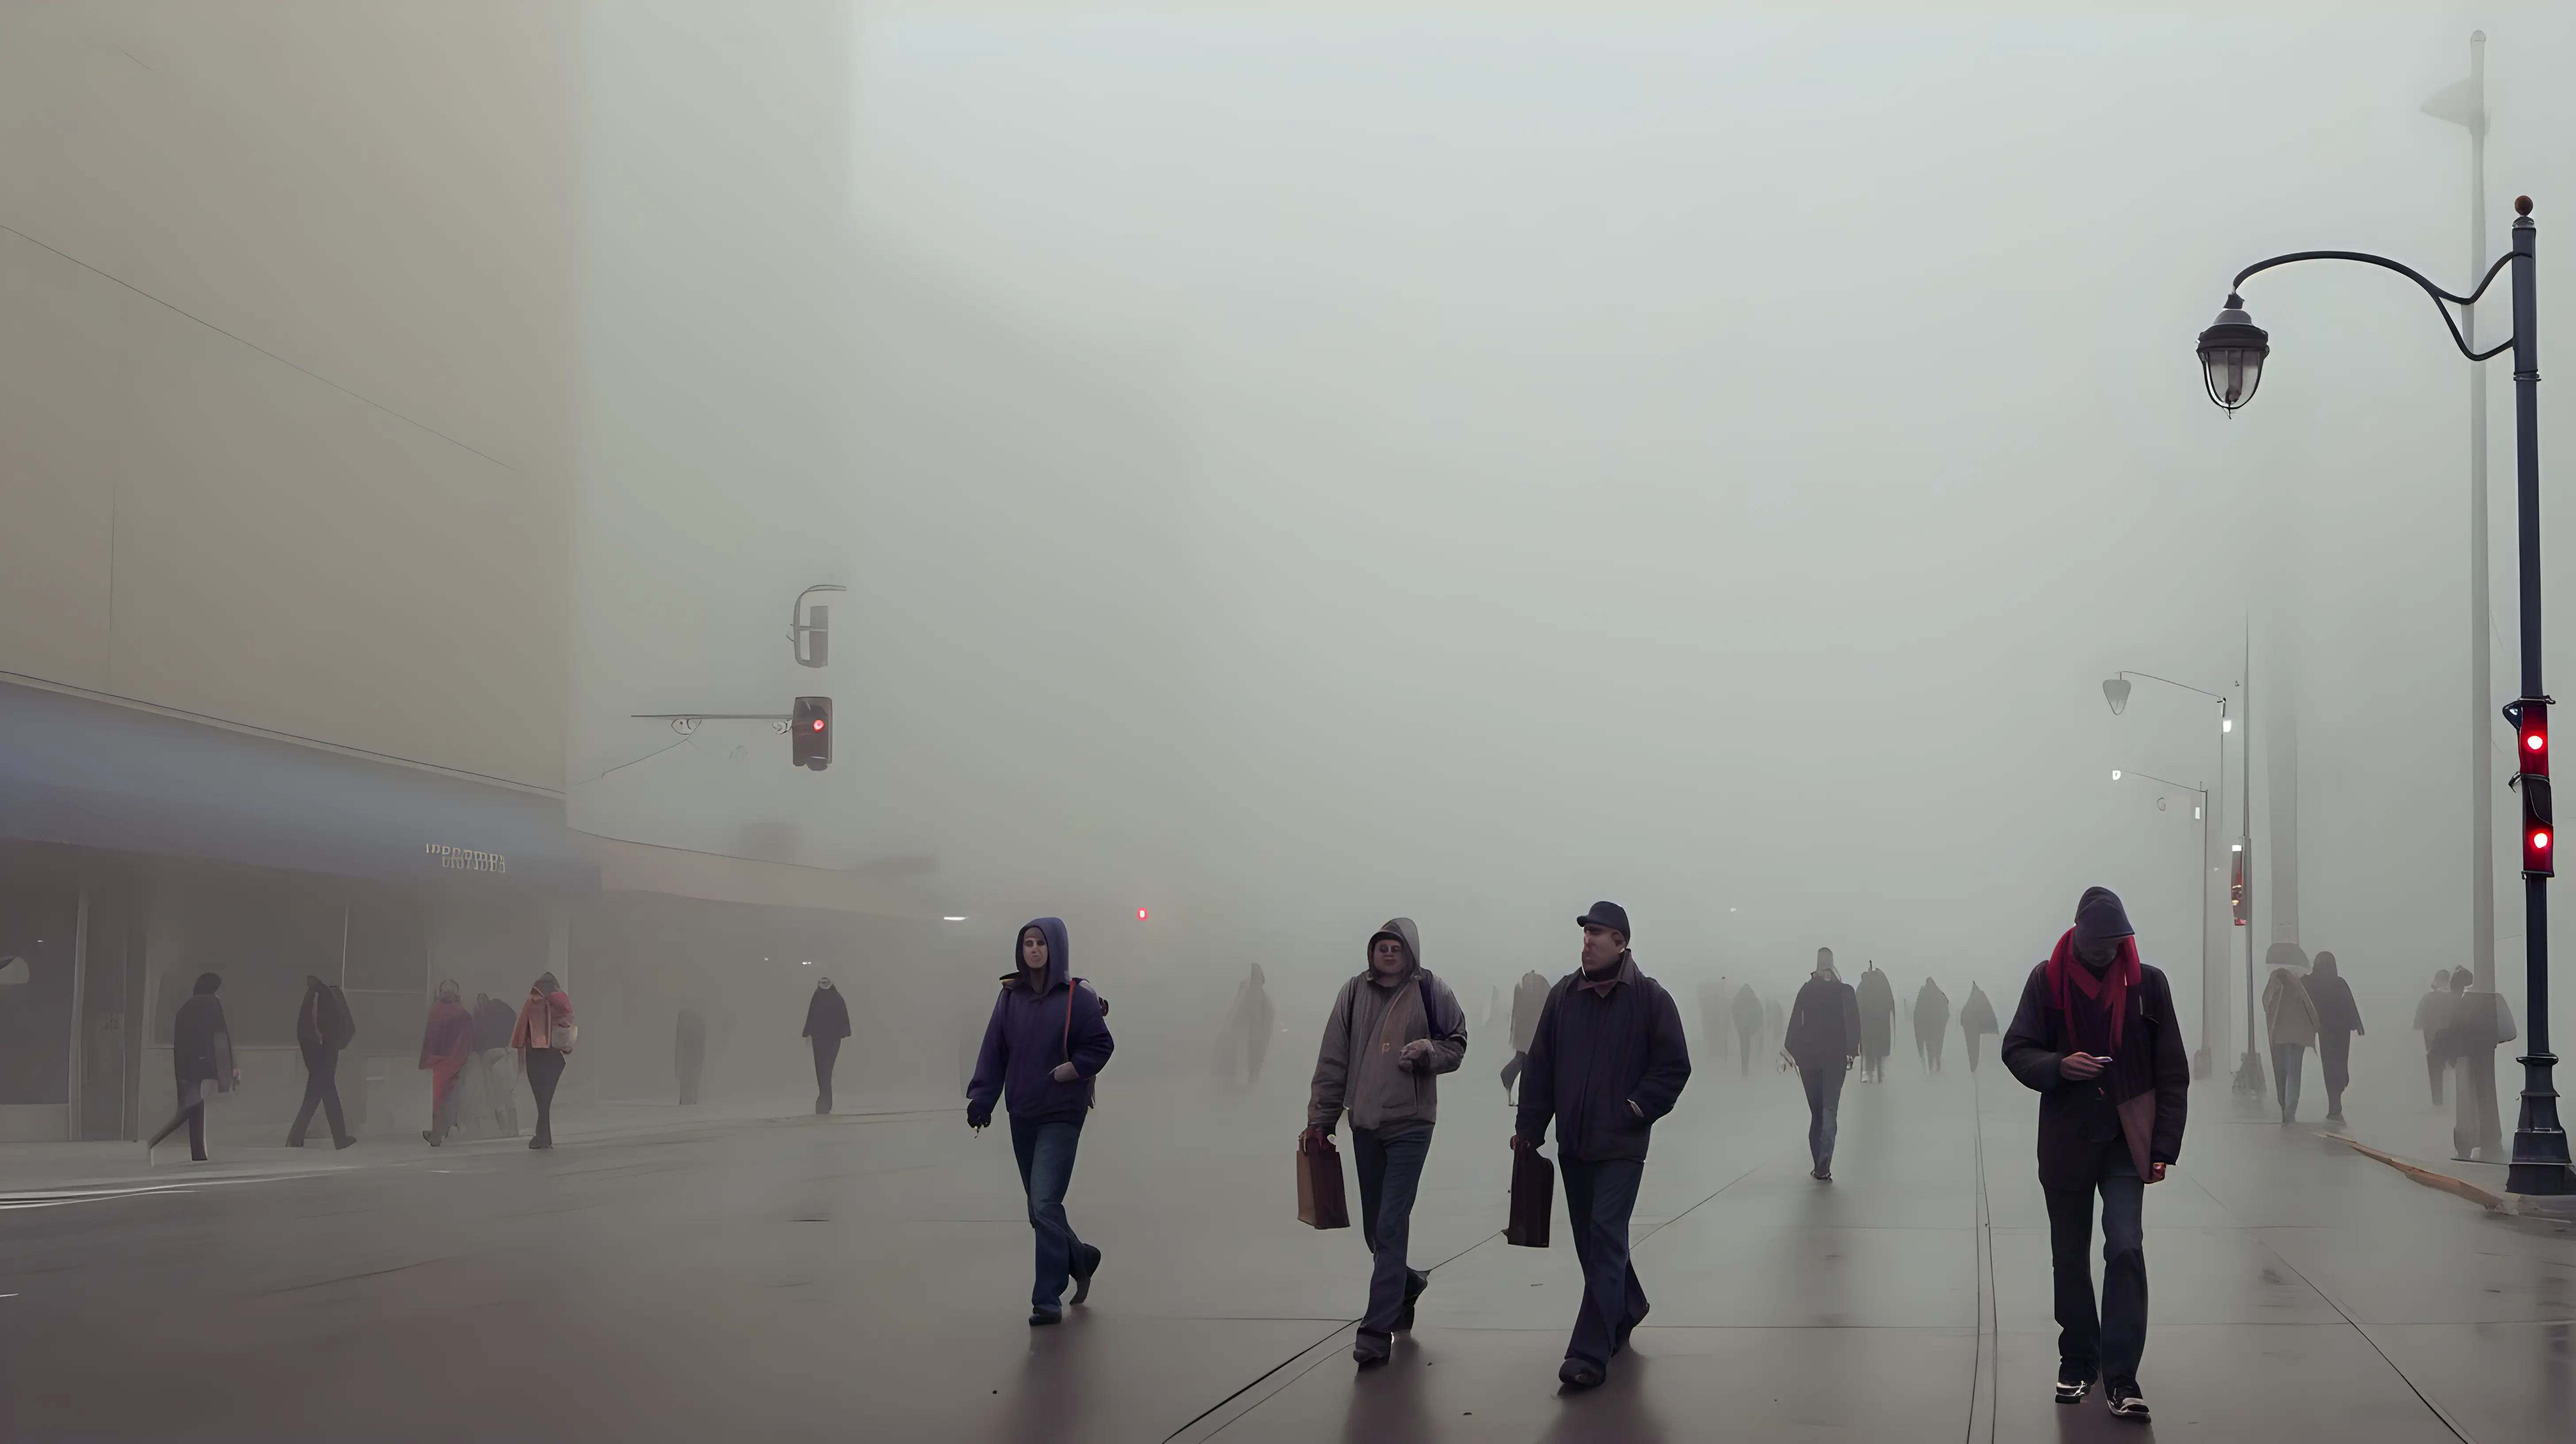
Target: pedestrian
(446, 1041)
(2291, 1017)
(1976, 1020)
(2338, 1019)
(2433, 1014)
(1529, 999)
(1393, 1030)
(1877, 999)
(1607, 1061)
(1714, 1024)
(1047, 1039)
(493, 1020)
(1823, 1038)
(201, 1058)
(2096, 1037)
(1748, 1028)
(543, 1034)
(689, 1053)
(323, 1026)
(827, 1022)
(1931, 1024)
(1248, 1025)
(2480, 1024)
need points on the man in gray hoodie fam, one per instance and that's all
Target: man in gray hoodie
(1393, 1030)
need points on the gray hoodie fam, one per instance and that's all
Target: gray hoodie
(1358, 1066)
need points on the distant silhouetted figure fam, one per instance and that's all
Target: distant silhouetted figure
(2433, 1014)
(2480, 1024)
(689, 1053)
(1877, 998)
(1823, 1037)
(2338, 1018)
(1248, 1026)
(827, 1022)
(2291, 1017)
(1931, 1024)
(1976, 1020)
(446, 1041)
(1608, 1061)
(2096, 1037)
(1393, 1030)
(323, 1026)
(201, 1058)
(543, 1034)
(1748, 1028)
(1529, 999)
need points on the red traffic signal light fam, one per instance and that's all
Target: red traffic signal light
(809, 733)
(2537, 849)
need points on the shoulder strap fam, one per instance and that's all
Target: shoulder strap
(1069, 989)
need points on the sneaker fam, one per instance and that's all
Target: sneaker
(1413, 1288)
(1082, 1276)
(2126, 1401)
(1040, 1318)
(2072, 1384)
(1821, 1174)
(1579, 1374)
(339, 1143)
(1371, 1350)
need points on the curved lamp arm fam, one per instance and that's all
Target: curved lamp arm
(2219, 698)
(2437, 293)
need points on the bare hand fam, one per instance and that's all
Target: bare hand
(1413, 1052)
(1065, 1073)
(2155, 1173)
(1519, 1143)
(2079, 1066)
(1314, 1140)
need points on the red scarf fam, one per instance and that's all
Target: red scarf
(2113, 984)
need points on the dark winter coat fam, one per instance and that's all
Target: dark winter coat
(323, 1024)
(2076, 1118)
(1034, 1028)
(1824, 1024)
(1977, 1015)
(1748, 1009)
(1931, 1012)
(493, 1020)
(1877, 1013)
(1604, 1068)
(827, 1015)
(201, 1046)
(2336, 1010)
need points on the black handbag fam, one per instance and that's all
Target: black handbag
(1533, 1198)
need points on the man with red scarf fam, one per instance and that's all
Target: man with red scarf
(2096, 1037)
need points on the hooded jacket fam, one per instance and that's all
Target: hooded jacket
(2076, 1117)
(1877, 999)
(201, 1045)
(827, 1014)
(1931, 1011)
(1604, 1068)
(1033, 1028)
(1372, 1020)
(546, 1006)
(1824, 1023)
(1977, 1015)
(2288, 1011)
(2336, 1010)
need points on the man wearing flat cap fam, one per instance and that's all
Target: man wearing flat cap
(2096, 1037)
(1607, 1061)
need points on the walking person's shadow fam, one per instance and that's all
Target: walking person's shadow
(1391, 1401)
(1620, 1411)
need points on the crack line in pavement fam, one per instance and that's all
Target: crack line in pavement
(1292, 1359)
(2437, 1410)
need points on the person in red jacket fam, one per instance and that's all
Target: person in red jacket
(543, 1019)
(446, 1041)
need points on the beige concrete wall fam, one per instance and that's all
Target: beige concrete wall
(282, 322)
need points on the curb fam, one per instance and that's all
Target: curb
(2511, 1205)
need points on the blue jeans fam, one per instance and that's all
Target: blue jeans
(1390, 1169)
(2111, 1343)
(1045, 1153)
(1824, 1107)
(2289, 1065)
(1599, 1197)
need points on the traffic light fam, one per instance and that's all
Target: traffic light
(2530, 719)
(809, 733)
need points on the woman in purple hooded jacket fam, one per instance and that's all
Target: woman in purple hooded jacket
(1047, 1039)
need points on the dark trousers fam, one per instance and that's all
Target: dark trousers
(2108, 1345)
(545, 1070)
(1511, 1071)
(1599, 1197)
(321, 1090)
(2289, 1065)
(1824, 1109)
(2434, 1068)
(192, 1111)
(1390, 1169)
(1045, 1152)
(827, 1051)
(1744, 1051)
(2334, 1056)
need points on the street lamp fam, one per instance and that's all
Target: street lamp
(2231, 359)
(2249, 1069)
(2200, 813)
